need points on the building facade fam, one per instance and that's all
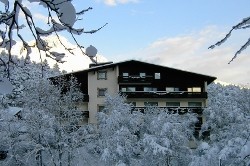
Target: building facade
(144, 84)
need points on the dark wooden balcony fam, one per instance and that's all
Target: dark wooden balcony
(164, 94)
(174, 110)
(136, 79)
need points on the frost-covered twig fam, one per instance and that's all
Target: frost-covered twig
(244, 24)
(61, 10)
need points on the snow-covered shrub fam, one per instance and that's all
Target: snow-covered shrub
(166, 138)
(154, 137)
(118, 127)
(228, 116)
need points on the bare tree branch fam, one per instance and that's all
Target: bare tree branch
(244, 24)
(57, 10)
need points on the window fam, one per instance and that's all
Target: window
(142, 75)
(101, 91)
(100, 108)
(123, 89)
(101, 75)
(125, 75)
(173, 104)
(172, 89)
(151, 104)
(128, 89)
(157, 76)
(194, 89)
(148, 89)
(194, 104)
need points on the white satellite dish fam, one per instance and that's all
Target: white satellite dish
(91, 51)
(5, 86)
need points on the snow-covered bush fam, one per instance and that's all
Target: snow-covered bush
(154, 137)
(21, 72)
(228, 117)
(166, 138)
(118, 127)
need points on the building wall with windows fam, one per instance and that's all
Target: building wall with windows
(143, 83)
(100, 82)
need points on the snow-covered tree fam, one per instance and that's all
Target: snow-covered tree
(118, 127)
(52, 126)
(166, 138)
(41, 100)
(10, 129)
(228, 118)
(244, 24)
(21, 71)
(155, 137)
(16, 19)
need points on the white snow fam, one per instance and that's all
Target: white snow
(5, 2)
(67, 13)
(245, 150)
(14, 110)
(75, 62)
(5, 86)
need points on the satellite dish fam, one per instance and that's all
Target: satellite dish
(5, 86)
(91, 51)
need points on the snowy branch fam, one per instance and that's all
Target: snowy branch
(244, 24)
(62, 16)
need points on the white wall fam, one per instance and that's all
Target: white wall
(111, 83)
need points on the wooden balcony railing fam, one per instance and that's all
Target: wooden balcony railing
(164, 94)
(179, 110)
(136, 79)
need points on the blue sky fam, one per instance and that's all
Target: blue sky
(136, 25)
(170, 33)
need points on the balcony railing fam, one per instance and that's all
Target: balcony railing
(165, 94)
(174, 110)
(136, 79)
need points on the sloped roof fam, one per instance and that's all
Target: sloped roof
(209, 79)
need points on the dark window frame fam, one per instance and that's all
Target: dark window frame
(101, 92)
(100, 107)
(157, 76)
(173, 104)
(150, 89)
(193, 104)
(142, 75)
(102, 78)
(125, 75)
(172, 89)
